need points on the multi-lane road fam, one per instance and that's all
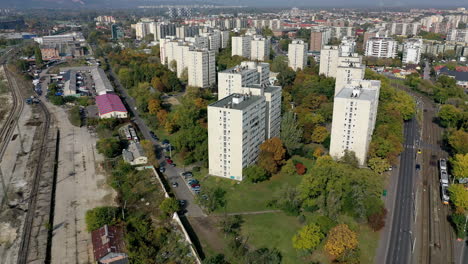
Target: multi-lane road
(401, 237)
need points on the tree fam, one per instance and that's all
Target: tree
(286, 77)
(109, 147)
(184, 75)
(74, 115)
(291, 133)
(288, 169)
(272, 154)
(340, 239)
(212, 198)
(377, 220)
(350, 158)
(459, 196)
(458, 140)
(255, 173)
(38, 56)
(217, 259)
(279, 63)
(300, 169)
(308, 238)
(158, 84)
(125, 77)
(263, 256)
(458, 221)
(460, 166)
(169, 206)
(154, 105)
(99, 216)
(449, 115)
(378, 165)
(230, 224)
(320, 134)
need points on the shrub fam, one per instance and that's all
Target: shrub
(100, 216)
(377, 220)
(300, 169)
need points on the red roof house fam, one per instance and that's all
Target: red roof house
(110, 105)
(108, 245)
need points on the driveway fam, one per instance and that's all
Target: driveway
(172, 174)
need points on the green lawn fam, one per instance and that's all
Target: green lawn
(245, 196)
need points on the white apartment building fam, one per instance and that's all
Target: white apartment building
(412, 49)
(175, 50)
(224, 38)
(329, 60)
(247, 73)
(241, 46)
(201, 68)
(297, 54)
(237, 125)
(260, 48)
(354, 115)
(236, 128)
(458, 35)
(381, 47)
(349, 69)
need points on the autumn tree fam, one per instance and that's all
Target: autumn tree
(154, 105)
(340, 239)
(459, 196)
(162, 116)
(169, 206)
(291, 133)
(449, 115)
(378, 165)
(300, 168)
(460, 166)
(308, 238)
(320, 134)
(272, 154)
(458, 140)
(157, 84)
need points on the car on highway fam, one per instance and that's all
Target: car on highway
(175, 185)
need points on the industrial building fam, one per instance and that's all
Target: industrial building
(110, 105)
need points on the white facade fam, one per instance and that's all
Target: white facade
(241, 46)
(238, 124)
(381, 47)
(247, 73)
(260, 48)
(329, 61)
(349, 68)
(354, 115)
(297, 55)
(174, 50)
(201, 68)
(459, 35)
(412, 51)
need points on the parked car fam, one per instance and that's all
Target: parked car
(154, 135)
(418, 167)
(165, 141)
(169, 161)
(187, 174)
(173, 164)
(175, 184)
(162, 169)
(195, 186)
(182, 203)
(192, 181)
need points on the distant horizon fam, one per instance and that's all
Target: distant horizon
(122, 4)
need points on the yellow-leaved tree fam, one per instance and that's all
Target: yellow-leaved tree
(340, 239)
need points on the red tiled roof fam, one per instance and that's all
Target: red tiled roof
(107, 103)
(107, 239)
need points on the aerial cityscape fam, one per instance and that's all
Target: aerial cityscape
(244, 132)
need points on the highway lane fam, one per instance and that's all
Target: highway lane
(401, 237)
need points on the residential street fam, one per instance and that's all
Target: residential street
(172, 174)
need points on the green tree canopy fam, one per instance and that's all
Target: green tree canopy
(109, 147)
(255, 173)
(308, 238)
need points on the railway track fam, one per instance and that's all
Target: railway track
(29, 220)
(6, 131)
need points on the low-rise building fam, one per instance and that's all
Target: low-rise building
(109, 245)
(134, 154)
(110, 105)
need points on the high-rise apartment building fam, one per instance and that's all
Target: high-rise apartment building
(412, 51)
(329, 60)
(458, 35)
(349, 68)
(201, 68)
(318, 39)
(238, 124)
(297, 54)
(381, 47)
(116, 32)
(241, 46)
(354, 115)
(260, 48)
(247, 73)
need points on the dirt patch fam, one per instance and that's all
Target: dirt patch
(208, 232)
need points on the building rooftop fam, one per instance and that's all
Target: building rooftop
(245, 66)
(237, 101)
(108, 240)
(101, 82)
(357, 94)
(107, 103)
